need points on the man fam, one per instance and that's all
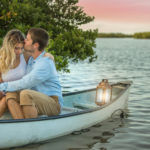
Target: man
(39, 90)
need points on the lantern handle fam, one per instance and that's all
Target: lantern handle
(105, 80)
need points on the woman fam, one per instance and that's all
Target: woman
(13, 61)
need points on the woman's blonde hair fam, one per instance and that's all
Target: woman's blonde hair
(7, 53)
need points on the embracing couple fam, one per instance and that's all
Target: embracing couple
(29, 81)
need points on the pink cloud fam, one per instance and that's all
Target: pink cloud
(135, 11)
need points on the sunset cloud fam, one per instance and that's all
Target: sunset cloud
(119, 13)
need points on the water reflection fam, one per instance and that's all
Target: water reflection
(95, 137)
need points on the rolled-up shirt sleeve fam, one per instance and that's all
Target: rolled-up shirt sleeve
(40, 73)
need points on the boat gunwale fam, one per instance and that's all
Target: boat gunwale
(69, 114)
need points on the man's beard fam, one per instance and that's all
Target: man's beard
(29, 51)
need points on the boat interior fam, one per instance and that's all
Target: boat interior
(86, 100)
(82, 100)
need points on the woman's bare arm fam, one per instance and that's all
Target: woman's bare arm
(1, 80)
(1, 93)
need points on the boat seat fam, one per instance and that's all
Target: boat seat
(85, 106)
(119, 87)
(66, 109)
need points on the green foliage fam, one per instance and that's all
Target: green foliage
(61, 18)
(113, 35)
(73, 45)
(142, 35)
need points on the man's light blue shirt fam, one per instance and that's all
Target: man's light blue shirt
(41, 76)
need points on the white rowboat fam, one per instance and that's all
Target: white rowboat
(79, 112)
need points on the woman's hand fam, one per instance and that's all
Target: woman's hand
(49, 55)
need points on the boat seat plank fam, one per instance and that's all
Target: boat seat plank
(66, 110)
(119, 87)
(85, 106)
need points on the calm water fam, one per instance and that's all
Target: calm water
(118, 59)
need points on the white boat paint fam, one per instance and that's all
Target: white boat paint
(16, 133)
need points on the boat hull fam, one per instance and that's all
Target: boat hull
(18, 133)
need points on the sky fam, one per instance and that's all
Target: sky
(125, 16)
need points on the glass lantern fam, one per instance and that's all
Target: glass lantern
(103, 93)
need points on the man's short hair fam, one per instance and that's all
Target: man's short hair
(40, 36)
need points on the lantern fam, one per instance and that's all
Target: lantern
(103, 93)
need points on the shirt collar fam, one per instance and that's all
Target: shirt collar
(41, 55)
